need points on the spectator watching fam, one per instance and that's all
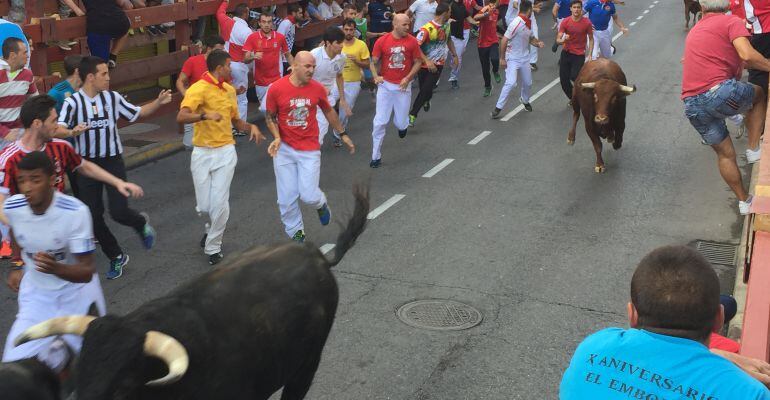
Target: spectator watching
(16, 84)
(329, 9)
(106, 29)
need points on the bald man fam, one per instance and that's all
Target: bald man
(291, 106)
(401, 59)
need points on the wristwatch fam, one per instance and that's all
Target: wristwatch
(341, 134)
(203, 117)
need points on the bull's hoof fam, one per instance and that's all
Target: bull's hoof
(617, 145)
(599, 169)
(570, 142)
(610, 140)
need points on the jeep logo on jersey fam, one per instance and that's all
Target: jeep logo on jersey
(98, 123)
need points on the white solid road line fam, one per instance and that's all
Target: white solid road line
(435, 170)
(617, 35)
(480, 137)
(384, 207)
(518, 109)
(632, 23)
(327, 248)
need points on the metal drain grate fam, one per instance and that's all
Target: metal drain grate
(718, 253)
(439, 315)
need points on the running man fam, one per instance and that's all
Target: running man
(288, 28)
(434, 42)
(357, 59)
(329, 64)
(401, 59)
(600, 12)
(236, 31)
(561, 10)
(210, 105)
(192, 71)
(574, 32)
(99, 109)
(59, 275)
(533, 50)
(291, 118)
(489, 51)
(461, 18)
(265, 48)
(515, 43)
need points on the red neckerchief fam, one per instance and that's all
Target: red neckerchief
(291, 19)
(210, 79)
(526, 20)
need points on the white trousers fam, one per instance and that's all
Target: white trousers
(212, 172)
(512, 71)
(532, 49)
(262, 95)
(297, 174)
(352, 89)
(323, 123)
(240, 75)
(390, 100)
(460, 45)
(602, 44)
(37, 305)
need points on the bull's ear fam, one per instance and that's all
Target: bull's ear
(626, 90)
(588, 85)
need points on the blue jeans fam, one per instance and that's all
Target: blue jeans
(707, 111)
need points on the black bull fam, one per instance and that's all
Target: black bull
(600, 92)
(241, 331)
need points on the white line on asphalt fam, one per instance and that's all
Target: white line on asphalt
(518, 109)
(326, 248)
(632, 23)
(384, 207)
(480, 137)
(646, 11)
(435, 170)
(655, 2)
(617, 35)
(639, 17)
(652, 6)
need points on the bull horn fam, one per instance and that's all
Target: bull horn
(588, 85)
(74, 325)
(169, 350)
(628, 89)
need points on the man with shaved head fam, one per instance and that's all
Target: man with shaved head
(401, 59)
(291, 106)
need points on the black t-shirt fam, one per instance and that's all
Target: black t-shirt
(106, 17)
(458, 14)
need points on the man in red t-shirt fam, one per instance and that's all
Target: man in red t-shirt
(573, 34)
(401, 59)
(291, 105)
(192, 70)
(489, 51)
(265, 47)
(714, 53)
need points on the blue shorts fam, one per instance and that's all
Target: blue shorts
(707, 111)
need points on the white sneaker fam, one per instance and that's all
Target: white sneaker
(745, 206)
(752, 156)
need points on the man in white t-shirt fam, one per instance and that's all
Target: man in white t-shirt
(422, 12)
(329, 9)
(240, 69)
(330, 62)
(516, 41)
(59, 278)
(288, 28)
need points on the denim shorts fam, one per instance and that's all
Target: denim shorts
(707, 111)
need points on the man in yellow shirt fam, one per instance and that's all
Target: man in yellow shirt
(210, 104)
(357, 59)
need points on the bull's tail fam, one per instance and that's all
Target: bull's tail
(356, 224)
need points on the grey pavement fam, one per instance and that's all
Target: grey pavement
(518, 226)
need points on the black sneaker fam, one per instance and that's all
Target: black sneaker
(215, 258)
(527, 106)
(555, 47)
(162, 29)
(299, 237)
(533, 66)
(402, 133)
(426, 106)
(375, 163)
(454, 84)
(496, 113)
(203, 240)
(154, 31)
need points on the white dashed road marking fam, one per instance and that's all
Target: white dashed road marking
(632, 23)
(435, 170)
(384, 207)
(646, 11)
(479, 138)
(639, 17)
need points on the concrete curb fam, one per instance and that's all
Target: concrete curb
(153, 153)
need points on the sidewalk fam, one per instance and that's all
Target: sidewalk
(148, 141)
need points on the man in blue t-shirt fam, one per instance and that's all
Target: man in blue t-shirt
(673, 310)
(560, 11)
(380, 18)
(600, 12)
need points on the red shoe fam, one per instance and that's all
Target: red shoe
(5, 250)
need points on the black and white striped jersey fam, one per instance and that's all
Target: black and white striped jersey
(101, 115)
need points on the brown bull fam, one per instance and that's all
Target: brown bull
(691, 7)
(600, 92)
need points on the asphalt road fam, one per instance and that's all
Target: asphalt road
(518, 226)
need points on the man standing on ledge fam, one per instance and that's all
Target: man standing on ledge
(401, 59)
(292, 102)
(210, 105)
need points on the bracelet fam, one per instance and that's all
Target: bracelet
(16, 268)
(341, 134)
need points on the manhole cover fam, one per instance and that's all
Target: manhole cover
(717, 253)
(439, 315)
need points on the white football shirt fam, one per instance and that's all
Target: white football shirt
(326, 68)
(64, 230)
